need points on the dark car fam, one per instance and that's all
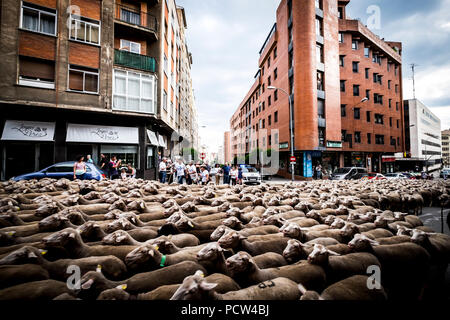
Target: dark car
(63, 170)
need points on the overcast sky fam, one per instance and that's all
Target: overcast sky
(225, 37)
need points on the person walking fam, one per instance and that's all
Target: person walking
(163, 170)
(79, 169)
(180, 168)
(233, 176)
(226, 173)
(114, 168)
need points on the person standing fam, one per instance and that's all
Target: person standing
(240, 175)
(79, 169)
(103, 163)
(114, 168)
(132, 170)
(213, 173)
(226, 173)
(162, 170)
(180, 167)
(233, 176)
(205, 175)
(319, 171)
(89, 159)
(218, 172)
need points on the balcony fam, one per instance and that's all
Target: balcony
(136, 18)
(134, 60)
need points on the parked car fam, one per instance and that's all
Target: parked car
(445, 173)
(347, 173)
(409, 175)
(63, 170)
(375, 176)
(250, 174)
(396, 175)
(360, 176)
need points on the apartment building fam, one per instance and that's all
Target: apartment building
(422, 138)
(445, 148)
(88, 77)
(326, 64)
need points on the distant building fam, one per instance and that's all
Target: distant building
(445, 148)
(422, 138)
(220, 155)
(227, 147)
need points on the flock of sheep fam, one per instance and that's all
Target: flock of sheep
(142, 240)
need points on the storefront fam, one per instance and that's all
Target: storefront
(27, 146)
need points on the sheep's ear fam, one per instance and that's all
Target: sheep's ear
(151, 252)
(241, 237)
(301, 288)
(31, 254)
(87, 285)
(122, 287)
(43, 252)
(333, 253)
(12, 233)
(206, 286)
(72, 235)
(199, 273)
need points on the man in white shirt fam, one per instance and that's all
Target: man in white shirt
(162, 170)
(192, 169)
(180, 167)
(205, 176)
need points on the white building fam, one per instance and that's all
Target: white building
(423, 138)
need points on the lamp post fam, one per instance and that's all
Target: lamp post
(290, 125)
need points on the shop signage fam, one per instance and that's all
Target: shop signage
(152, 137)
(293, 160)
(334, 144)
(307, 164)
(388, 158)
(284, 145)
(102, 134)
(28, 131)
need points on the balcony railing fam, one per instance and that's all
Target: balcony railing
(136, 17)
(134, 60)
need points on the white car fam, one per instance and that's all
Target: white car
(390, 176)
(250, 175)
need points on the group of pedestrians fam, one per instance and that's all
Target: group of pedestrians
(197, 173)
(111, 168)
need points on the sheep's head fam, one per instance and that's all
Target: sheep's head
(404, 231)
(294, 251)
(342, 210)
(320, 255)
(91, 230)
(46, 210)
(189, 207)
(119, 224)
(232, 222)
(211, 252)
(64, 238)
(92, 284)
(313, 214)
(382, 222)
(361, 242)
(54, 222)
(24, 255)
(338, 223)
(164, 245)
(117, 238)
(184, 223)
(131, 217)
(74, 216)
(224, 207)
(219, 232)
(329, 220)
(136, 205)
(274, 220)
(230, 240)
(194, 288)
(7, 238)
(233, 212)
(420, 237)
(142, 256)
(114, 294)
(119, 204)
(239, 263)
(292, 230)
(349, 230)
(113, 214)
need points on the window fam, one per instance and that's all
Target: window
(319, 53)
(355, 66)
(270, 140)
(318, 4)
(83, 79)
(390, 121)
(392, 141)
(264, 123)
(84, 29)
(268, 62)
(342, 85)
(367, 73)
(38, 19)
(397, 124)
(321, 108)
(369, 138)
(379, 79)
(396, 106)
(275, 117)
(275, 95)
(366, 52)
(395, 70)
(398, 141)
(320, 83)
(355, 44)
(396, 88)
(341, 37)
(166, 64)
(368, 94)
(321, 137)
(269, 120)
(344, 135)
(274, 53)
(390, 103)
(264, 105)
(341, 61)
(164, 100)
(357, 137)
(130, 46)
(343, 110)
(340, 12)
(379, 118)
(269, 102)
(375, 77)
(275, 74)
(368, 116)
(36, 73)
(389, 84)
(269, 81)
(356, 90)
(319, 27)
(379, 139)
(357, 113)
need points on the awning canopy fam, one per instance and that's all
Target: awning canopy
(28, 131)
(102, 134)
(162, 142)
(152, 137)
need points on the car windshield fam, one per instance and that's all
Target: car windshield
(390, 175)
(372, 174)
(342, 170)
(249, 169)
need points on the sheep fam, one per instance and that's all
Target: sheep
(245, 271)
(93, 283)
(339, 267)
(236, 241)
(35, 290)
(343, 235)
(11, 275)
(197, 288)
(437, 245)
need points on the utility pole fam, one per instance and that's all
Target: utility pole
(413, 68)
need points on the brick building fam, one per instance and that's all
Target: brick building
(89, 77)
(327, 64)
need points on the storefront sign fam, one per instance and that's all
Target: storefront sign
(307, 164)
(293, 160)
(102, 134)
(28, 131)
(152, 137)
(334, 144)
(388, 159)
(284, 145)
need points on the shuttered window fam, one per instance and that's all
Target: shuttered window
(36, 72)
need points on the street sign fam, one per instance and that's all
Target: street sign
(293, 160)
(202, 156)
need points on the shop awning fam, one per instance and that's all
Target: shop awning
(28, 131)
(152, 137)
(162, 141)
(102, 134)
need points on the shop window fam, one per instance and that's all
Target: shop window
(151, 158)
(128, 154)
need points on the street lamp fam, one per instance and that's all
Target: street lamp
(290, 124)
